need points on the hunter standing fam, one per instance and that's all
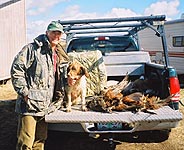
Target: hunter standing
(35, 76)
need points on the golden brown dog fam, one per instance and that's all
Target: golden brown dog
(76, 88)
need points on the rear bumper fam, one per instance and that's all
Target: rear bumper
(142, 126)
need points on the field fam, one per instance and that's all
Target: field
(71, 141)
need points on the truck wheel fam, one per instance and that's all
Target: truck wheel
(160, 135)
(151, 136)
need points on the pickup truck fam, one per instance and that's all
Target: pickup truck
(117, 40)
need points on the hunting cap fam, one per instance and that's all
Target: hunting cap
(55, 26)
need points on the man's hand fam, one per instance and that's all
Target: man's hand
(26, 98)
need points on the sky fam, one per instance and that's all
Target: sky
(39, 13)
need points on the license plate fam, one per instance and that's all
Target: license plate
(109, 126)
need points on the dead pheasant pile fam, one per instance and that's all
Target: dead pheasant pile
(112, 99)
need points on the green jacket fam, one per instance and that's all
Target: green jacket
(32, 74)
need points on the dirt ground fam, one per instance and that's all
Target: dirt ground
(78, 141)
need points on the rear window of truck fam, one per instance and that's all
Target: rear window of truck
(105, 44)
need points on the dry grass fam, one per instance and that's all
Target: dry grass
(7, 91)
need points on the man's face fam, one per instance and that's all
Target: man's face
(54, 37)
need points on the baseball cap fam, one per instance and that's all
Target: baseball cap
(55, 26)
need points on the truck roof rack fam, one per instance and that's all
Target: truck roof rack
(107, 24)
(106, 20)
(130, 25)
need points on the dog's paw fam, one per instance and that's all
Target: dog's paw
(68, 109)
(84, 108)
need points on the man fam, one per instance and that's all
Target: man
(34, 73)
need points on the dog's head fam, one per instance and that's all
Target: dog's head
(75, 71)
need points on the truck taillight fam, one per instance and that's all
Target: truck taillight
(174, 89)
(101, 38)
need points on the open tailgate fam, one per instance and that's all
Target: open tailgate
(162, 118)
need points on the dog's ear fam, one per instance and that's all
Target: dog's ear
(84, 72)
